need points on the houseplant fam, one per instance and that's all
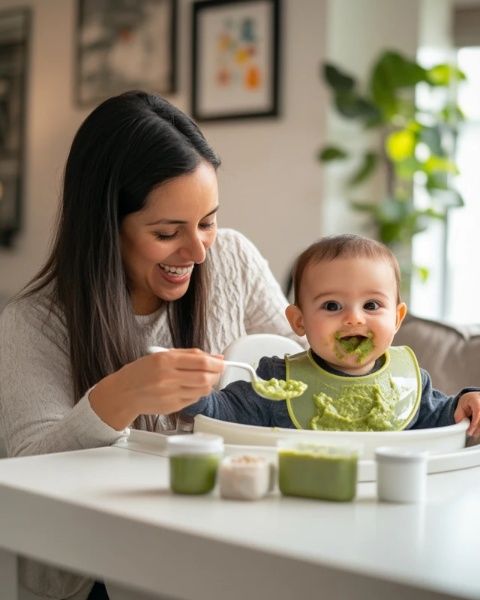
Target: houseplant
(412, 146)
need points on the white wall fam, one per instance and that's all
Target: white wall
(271, 185)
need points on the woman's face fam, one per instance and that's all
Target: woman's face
(162, 242)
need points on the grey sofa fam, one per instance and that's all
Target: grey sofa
(450, 354)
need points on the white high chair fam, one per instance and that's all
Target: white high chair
(250, 349)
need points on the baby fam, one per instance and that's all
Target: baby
(347, 303)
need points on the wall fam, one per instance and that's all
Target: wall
(271, 185)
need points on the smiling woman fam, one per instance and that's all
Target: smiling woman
(137, 261)
(162, 243)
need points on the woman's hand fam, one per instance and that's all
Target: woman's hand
(160, 383)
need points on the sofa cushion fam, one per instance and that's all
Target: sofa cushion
(450, 354)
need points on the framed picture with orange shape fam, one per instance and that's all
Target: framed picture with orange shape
(235, 59)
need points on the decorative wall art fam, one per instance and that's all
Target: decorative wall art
(124, 45)
(235, 60)
(14, 38)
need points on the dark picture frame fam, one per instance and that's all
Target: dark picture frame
(123, 45)
(15, 27)
(235, 59)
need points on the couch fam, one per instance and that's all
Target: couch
(450, 354)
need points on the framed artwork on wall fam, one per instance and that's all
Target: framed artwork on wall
(124, 45)
(14, 45)
(235, 59)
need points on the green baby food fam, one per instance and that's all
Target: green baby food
(359, 408)
(358, 345)
(278, 389)
(316, 472)
(193, 473)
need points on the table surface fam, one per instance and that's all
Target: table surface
(127, 526)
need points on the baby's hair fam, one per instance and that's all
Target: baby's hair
(346, 245)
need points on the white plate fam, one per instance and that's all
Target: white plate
(436, 441)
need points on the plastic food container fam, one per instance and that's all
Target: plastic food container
(245, 477)
(317, 471)
(194, 461)
(401, 474)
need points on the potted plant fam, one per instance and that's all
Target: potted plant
(411, 144)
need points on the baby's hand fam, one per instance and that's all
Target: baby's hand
(469, 407)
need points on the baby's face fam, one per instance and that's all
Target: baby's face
(348, 311)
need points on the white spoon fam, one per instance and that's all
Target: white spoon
(274, 389)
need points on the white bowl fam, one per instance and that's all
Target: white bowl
(437, 440)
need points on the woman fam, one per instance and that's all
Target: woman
(137, 261)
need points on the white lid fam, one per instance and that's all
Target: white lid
(399, 454)
(245, 461)
(195, 443)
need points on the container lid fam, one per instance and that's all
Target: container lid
(400, 455)
(195, 443)
(245, 461)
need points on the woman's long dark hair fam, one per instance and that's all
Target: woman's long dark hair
(126, 147)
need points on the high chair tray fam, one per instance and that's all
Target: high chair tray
(438, 440)
(156, 443)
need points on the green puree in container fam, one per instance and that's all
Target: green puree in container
(278, 389)
(359, 408)
(317, 472)
(193, 473)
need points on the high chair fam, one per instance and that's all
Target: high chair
(250, 349)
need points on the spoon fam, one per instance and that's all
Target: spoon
(272, 389)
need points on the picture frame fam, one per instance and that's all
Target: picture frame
(15, 27)
(124, 45)
(235, 59)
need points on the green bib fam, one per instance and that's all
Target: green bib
(386, 400)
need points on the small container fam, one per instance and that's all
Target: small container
(401, 474)
(245, 477)
(194, 461)
(313, 470)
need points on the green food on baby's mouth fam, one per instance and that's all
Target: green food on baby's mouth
(278, 389)
(359, 345)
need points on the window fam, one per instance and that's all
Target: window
(451, 250)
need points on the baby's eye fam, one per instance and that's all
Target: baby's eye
(371, 305)
(331, 306)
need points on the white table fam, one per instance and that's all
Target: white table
(128, 528)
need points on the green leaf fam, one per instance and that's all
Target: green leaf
(407, 168)
(330, 153)
(444, 75)
(452, 113)
(437, 181)
(448, 198)
(369, 162)
(398, 71)
(353, 106)
(440, 164)
(431, 136)
(392, 72)
(338, 80)
(423, 273)
(400, 145)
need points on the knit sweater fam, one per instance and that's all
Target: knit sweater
(38, 413)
